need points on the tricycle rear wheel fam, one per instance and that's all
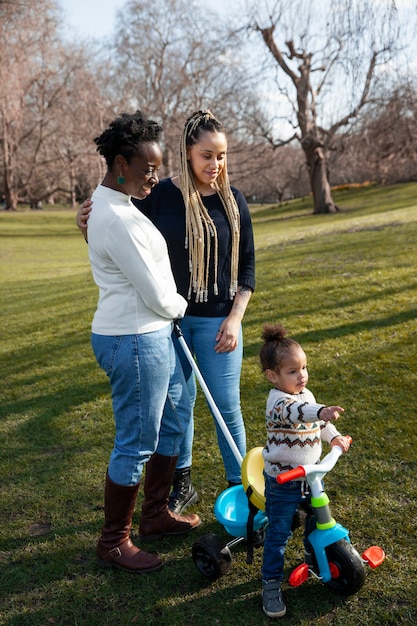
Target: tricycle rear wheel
(211, 556)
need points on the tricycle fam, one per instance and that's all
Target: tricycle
(334, 560)
(240, 509)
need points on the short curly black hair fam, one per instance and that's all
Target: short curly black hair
(125, 135)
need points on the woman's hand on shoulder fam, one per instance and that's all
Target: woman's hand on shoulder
(82, 216)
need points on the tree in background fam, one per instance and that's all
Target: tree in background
(170, 59)
(328, 61)
(348, 109)
(43, 83)
(388, 138)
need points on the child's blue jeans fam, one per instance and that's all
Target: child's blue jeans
(281, 503)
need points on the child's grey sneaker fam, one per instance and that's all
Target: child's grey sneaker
(273, 604)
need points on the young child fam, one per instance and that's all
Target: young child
(295, 425)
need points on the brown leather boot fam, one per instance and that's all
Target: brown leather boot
(115, 548)
(157, 520)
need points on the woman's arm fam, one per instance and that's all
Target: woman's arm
(228, 334)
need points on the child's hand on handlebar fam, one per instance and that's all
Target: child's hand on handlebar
(342, 442)
(329, 413)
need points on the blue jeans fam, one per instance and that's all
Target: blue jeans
(145, 376)
(221, 373)
(281, 503)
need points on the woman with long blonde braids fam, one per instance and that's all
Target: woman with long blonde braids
(208, 230)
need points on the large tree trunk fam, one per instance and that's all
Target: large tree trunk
(10, 192)
(319, 182)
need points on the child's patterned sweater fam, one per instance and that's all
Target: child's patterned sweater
(294, 431)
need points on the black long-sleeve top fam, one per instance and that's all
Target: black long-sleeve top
(166, 209)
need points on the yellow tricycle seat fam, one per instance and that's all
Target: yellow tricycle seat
(253, 477)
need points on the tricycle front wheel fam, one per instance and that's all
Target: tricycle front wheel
(346, 565)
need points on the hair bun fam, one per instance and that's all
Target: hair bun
(273, 332)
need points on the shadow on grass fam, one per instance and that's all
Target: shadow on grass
(340, 331)
(75, 590)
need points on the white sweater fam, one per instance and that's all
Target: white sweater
(294, 431)
(130, 265)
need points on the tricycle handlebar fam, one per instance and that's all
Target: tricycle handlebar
(323, 467)
(285, 477)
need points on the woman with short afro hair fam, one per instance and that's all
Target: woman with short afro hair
(131, 339)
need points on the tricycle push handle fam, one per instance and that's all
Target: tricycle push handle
(285, 477)
(213, 406)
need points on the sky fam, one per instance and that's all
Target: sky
(96, 18)
(90, 18)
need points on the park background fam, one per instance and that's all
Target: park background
(342, 280)
(313, 95)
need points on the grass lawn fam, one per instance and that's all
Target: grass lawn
(344, 285)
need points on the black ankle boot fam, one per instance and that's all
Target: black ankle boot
(183, 493)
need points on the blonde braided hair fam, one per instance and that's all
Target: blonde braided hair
(201, 233)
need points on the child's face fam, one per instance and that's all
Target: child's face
(292, 376)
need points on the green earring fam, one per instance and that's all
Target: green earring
(121, 180)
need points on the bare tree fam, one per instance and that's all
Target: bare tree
(327, 58)
(81, 116)
(42, 83)
(172, 58)
(383, 148)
